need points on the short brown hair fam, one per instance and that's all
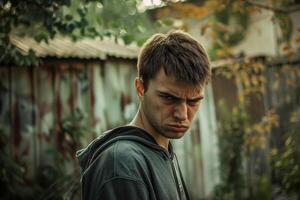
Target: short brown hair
(179, 54)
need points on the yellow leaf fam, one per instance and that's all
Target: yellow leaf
(254, 80)
(274, 152)
(164, 12)
(263, 79)
(259, 128)
(290, 54)
(212, 5)
(205, 27)
(294, 117)
(298, 71)
(184, 27)
(275, 85)
(245, 78)
(288, 141)
(257, 67)
(267, 128)
(213, 35)
(252, 141)
(262, 141)
(262, 90)
(234, 110)
(249, 90)
(250, 10)
(286, 69)
(248, 130)
(291, 82)
(221, 53)
(297, 38)
(189, 10)
(286, 48)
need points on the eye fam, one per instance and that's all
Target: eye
(193, 102)
(167, 97)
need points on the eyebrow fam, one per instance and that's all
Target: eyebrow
(178, 98)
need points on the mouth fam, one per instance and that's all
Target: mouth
(178, 128)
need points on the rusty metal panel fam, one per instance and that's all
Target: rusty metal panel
(84, 48)
(36, 102)
(119, 93)
(22, 112)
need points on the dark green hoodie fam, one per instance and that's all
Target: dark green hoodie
(127, 163)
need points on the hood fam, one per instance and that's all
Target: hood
(96, 147)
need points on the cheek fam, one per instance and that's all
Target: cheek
(163, 110)
(192, 112)
(158, 105)
(167, 113)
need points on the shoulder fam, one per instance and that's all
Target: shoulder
(124, 148)
(117, 170)
(129, 152)
(124, 158)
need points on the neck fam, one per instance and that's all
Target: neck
(141, 121)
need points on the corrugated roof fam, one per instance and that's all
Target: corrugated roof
(85, 48)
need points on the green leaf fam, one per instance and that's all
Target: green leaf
(41, 37)
(167, 22)
(128, 39)
(68, 17)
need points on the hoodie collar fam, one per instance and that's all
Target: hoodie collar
(93, 150)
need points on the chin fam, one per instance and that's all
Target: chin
(179, 136)
(175, 135)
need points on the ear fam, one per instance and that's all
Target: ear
(139, 87)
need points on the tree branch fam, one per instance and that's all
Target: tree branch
(275, 9)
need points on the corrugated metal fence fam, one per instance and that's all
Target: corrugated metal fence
(39, 105)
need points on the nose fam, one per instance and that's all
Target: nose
(180, 112)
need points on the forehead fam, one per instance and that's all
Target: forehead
(169, 83)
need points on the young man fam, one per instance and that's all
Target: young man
(136, 161)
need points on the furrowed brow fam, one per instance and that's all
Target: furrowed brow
(168, 94)
(196, 99)
(179, 98)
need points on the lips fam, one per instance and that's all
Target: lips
(177, 128)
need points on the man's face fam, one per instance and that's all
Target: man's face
(169, 106)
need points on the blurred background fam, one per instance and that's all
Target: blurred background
(67, 69)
